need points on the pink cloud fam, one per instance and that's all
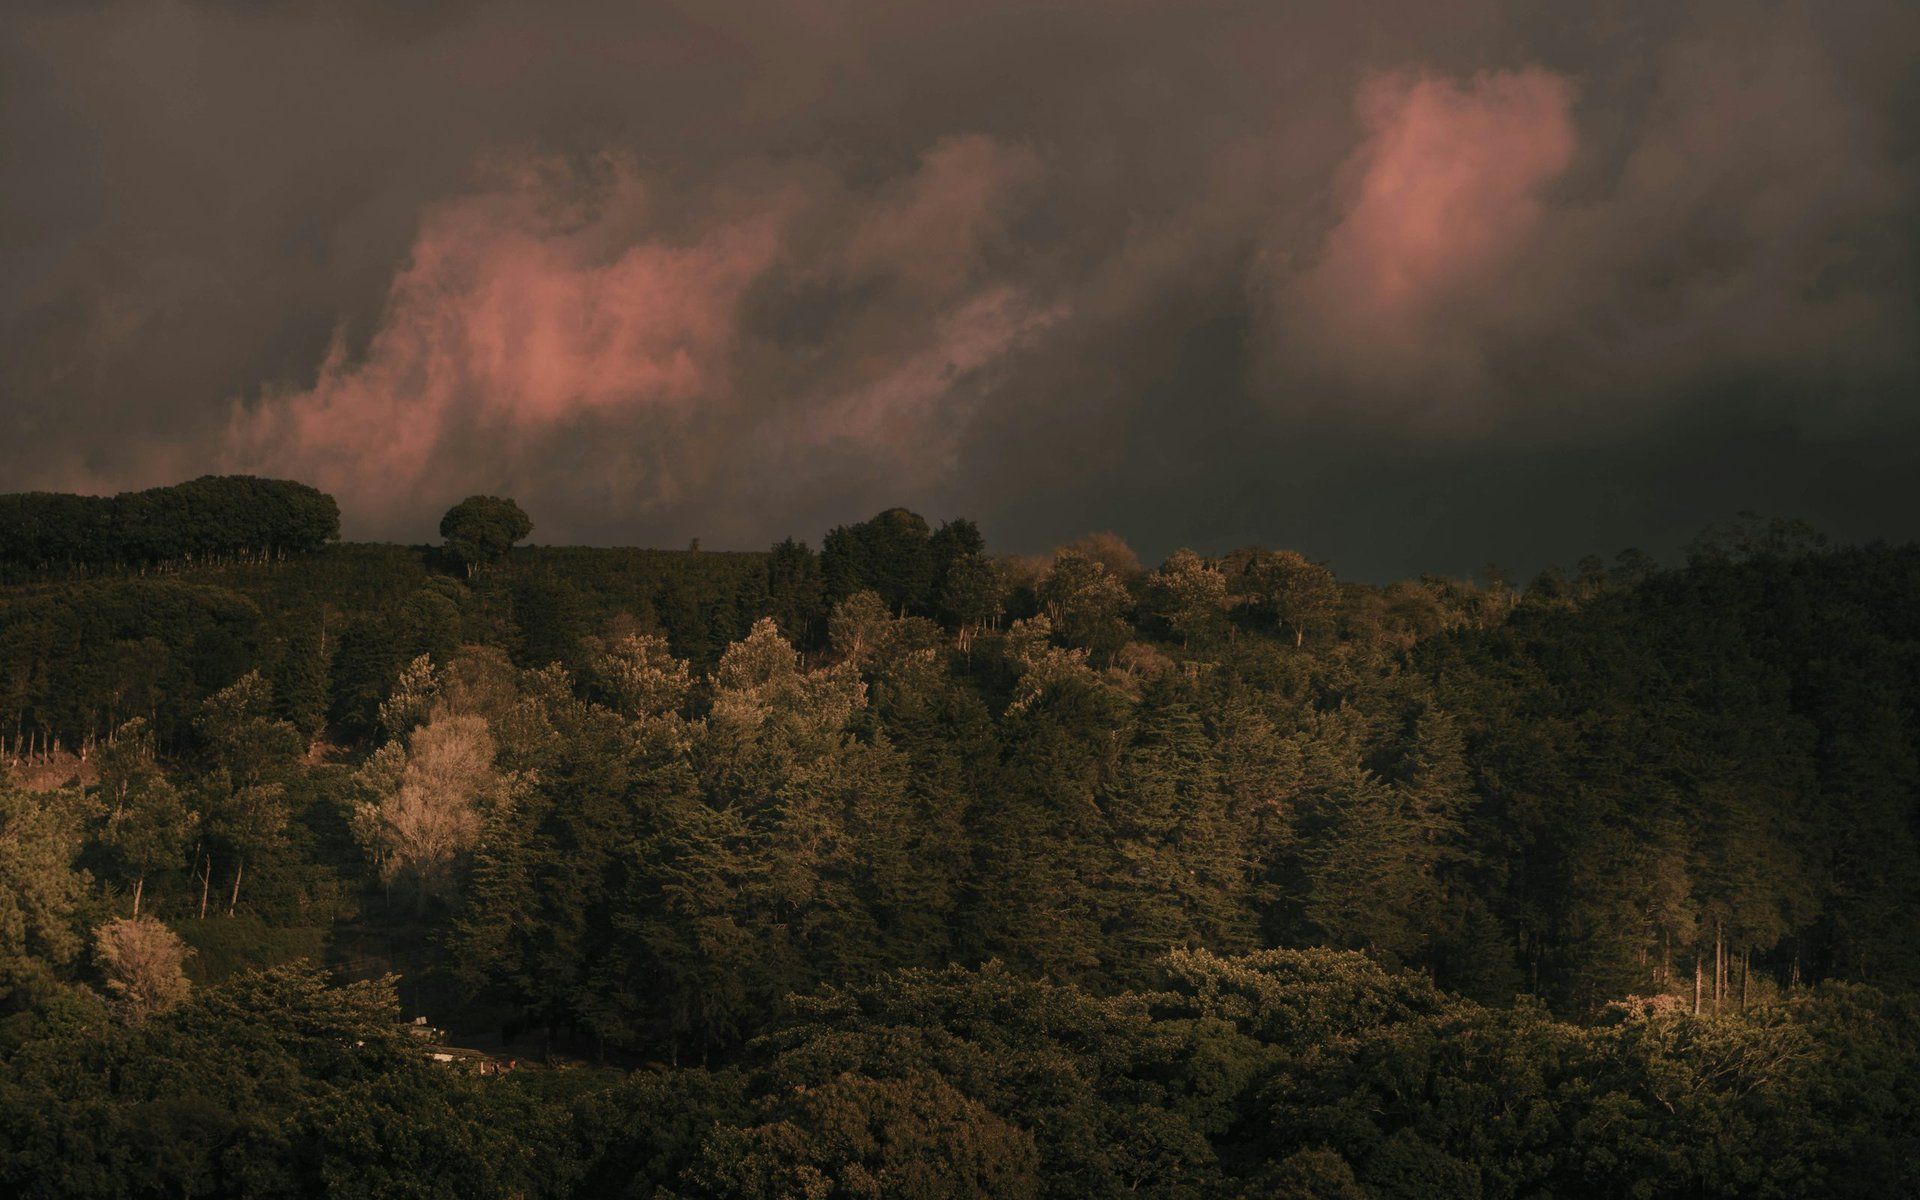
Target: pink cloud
(521, 310)
(931, 229)
(578, 317)
(1444, 192)
(916, 405)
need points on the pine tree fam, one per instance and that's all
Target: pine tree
(301, 678)
(1180, 871)
(1366, 865)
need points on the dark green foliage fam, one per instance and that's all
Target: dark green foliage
(1284, 1073)
(78, 659)
(1040, 836)
(796, 598)
(43, 894)
(551, 617)
(1306, 1074)
(1088, 605)
(898, 557)
(1260, 884)
(481, 529)
(211, 518)
(372, 648)
(302, 676)
(1705, 761)
(275, 1084)
(642, 1136)
(227, 946)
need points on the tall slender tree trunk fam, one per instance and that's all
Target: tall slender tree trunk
(1746, 972)
(1719, 968)
(239, 868)
(139, 886)
(206, 882)
(1696, 983)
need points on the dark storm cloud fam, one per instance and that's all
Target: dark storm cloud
(1408, 288)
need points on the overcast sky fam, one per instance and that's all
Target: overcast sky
(1408, 286)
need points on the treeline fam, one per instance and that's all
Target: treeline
(737, 816)
(1613, 783)
(207, 519)
(1695, 777)
(343, 619)
(332, 630)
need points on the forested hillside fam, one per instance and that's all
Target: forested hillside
(904, 869)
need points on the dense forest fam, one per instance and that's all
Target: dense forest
(900, 868)
(206, 520)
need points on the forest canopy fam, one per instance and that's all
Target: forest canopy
(209, 518)
(905, 868)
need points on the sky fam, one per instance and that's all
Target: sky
(1405, 286)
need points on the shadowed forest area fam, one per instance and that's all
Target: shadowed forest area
(901, 868)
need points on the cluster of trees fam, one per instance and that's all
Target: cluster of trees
(1311, 1074)
(1245, 867)
(78, 660)
(208, 519)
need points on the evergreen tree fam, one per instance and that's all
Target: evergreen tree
(795, 594)
(1181, 870)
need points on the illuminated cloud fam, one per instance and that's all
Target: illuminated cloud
(1443, 195)
(521, 310)
(552, 316)
(913, 410)
(930, 231)
(1199, 270)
